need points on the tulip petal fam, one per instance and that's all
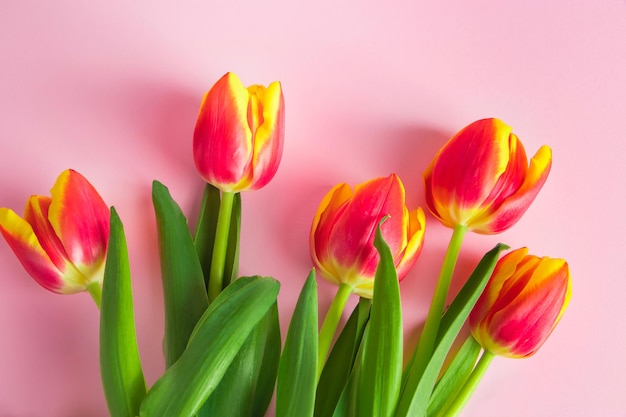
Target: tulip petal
(513, 207)
(268, 143)
(514, 175)
(342, 234)
(22, 239)
(80, 219)
(466, 170)
(415, 233)
(480, 179)
(238, 138)
(331, 207)
(352, 239)
(525, 323)
(36, 215)
(222, 144)
(522, 303)
(507, 267)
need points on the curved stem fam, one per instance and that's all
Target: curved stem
(216, 276)
(470, 385)
(431, 326)
(327, 332)
(95, 290)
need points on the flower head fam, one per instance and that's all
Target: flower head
(481, 178)
(62, 239)
(343, 230)
(238, 139)
(522, 303)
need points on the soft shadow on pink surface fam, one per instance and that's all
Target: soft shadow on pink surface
(405, 150)
(408, 150)
(79, 411)
(155, 124)
(158, 116)
(57, 347)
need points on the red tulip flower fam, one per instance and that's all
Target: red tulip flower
(238, 139)
(521, 305)
(481, 178)
(342, 234)
(62, 239)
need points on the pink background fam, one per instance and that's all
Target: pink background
(112, 89)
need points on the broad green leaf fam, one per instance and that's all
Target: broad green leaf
(206, 229)
(381, 373)
(184, 292)
(214, 343)
(339, 365)
(454, 377)
(122, 378)
(297, 370)
(248, 385)
(420, 383)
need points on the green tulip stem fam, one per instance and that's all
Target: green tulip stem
(216, 275)
(95, 290)
(327, 332)
(431, 326)
(455, 408)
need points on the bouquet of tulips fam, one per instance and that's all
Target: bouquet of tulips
(224, 353)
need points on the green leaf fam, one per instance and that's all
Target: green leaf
(206, 230)
(340, 362)
(248, 385)
(207, 227)
(381, 373)
(297, 370)
(347, 406)
(122, 378)
(420, 383)
(184, 291)
(214, 343)
(454, 377)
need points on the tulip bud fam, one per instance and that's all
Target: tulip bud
(521, 305)
(238, 139)
(481, 179)
(62, 239)
(343, 230)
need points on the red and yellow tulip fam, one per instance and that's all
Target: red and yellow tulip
(481, 178)
(238, 139)
(521, 305)
(342, 234)
(62, 239)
